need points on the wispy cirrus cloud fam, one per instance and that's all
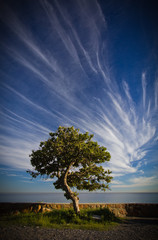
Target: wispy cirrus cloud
(137, 182)
(144, 88)
(125, 132)
(75, 74)
(156, 94)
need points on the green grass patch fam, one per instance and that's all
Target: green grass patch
(96, 219)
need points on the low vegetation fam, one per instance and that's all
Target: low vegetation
(96, 219)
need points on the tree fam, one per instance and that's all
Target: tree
(72, 158)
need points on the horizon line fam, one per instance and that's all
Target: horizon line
(78, 192)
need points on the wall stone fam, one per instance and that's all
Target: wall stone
(120, 210)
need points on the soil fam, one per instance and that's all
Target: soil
(133, 229)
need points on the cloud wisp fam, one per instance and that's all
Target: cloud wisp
(137, 182)
(74, 72)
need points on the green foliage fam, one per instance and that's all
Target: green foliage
(74, 159)
(64, 218)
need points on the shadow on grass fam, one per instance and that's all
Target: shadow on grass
(96, 219)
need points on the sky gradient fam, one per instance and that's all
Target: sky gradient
(87, 63)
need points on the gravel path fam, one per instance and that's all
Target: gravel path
(131, 229)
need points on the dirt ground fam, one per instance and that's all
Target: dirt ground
(130, 229)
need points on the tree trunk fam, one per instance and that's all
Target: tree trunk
(70, 194)
(76, 205)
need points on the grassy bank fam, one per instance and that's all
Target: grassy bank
(96, 219)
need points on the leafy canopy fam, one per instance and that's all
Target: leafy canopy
(71, 155)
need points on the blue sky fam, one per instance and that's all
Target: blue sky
(87, 63)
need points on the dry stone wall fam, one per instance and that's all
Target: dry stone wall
(120, 210)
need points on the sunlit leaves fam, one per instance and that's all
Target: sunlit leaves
(72, 154)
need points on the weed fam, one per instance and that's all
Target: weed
(65, 218)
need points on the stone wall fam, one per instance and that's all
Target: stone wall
(120, 210)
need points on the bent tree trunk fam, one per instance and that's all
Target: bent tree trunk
(75, 201)
(71, 195)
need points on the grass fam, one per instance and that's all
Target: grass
(65, 219)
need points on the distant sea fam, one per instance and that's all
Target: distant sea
(84, 197)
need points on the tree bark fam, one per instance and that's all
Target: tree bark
(70, 194)
(76, 205)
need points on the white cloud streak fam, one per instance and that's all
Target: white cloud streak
(116, 120)
(138, 182)
(65, 16)
(144, 88)
(156, 94)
